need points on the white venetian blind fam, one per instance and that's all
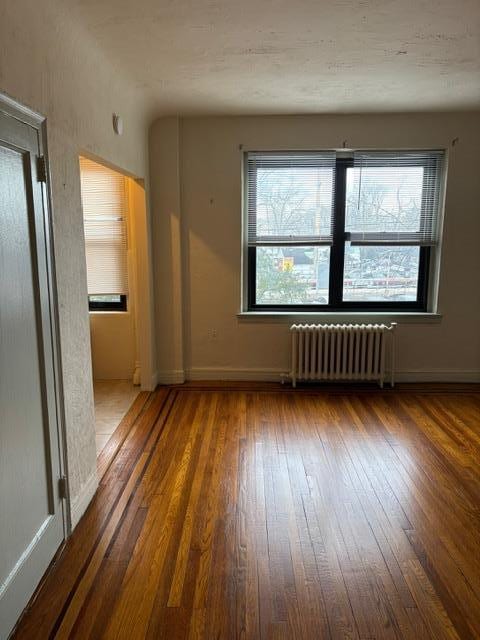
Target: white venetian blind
(394, 197)
(104, 200)
(290, 198)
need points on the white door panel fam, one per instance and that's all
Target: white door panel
(31, 515)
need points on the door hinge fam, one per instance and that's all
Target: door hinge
(62, 487)
(41, 169)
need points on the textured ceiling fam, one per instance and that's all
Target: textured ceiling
(293, 56)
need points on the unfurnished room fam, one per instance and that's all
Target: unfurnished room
(240, 320)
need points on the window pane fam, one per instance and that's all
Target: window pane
(106, 298)
(384, 199)
(381, 274)
(292, 275)
(294, 202)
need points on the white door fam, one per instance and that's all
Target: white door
(31, 509)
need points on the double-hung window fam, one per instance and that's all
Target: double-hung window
(105, 208)
(337, 231)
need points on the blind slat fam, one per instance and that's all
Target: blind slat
(104, 202)
(290, 198)
(393, 198)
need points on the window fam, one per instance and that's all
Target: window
(338, 231)
(104, 200)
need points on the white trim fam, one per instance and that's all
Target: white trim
(174, 376)
(11, 107)
(81, 501)
(287, 317)
(92, 312)
(149, 385)
(438, 375)
(229, 373)
(137, 377)
(277, 375)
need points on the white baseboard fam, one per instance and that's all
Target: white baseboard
(137, 374)
(80, 502)
(229, 373)
(438, 375)
(275, 375)
(174, 376)
(150, 383)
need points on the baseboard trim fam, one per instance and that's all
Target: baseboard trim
(175, 376)
(276, 375)
(150, 385)
(137, 374)
(81, 501)
(447, 375)
(227, 373)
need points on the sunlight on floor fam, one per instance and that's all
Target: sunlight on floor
(113, 398)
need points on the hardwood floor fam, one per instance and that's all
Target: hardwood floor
(243, 513)
(112, 401)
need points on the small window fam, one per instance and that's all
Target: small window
(111, 302)
(104, 201)
(337, 232)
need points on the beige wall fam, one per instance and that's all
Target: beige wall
(167, 251)
(210, 212)
(50, 65)
(141, 272)
(113, 345)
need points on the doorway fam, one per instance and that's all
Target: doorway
(113, 210)
(32, 484)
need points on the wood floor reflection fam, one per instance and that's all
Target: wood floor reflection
(255, 513)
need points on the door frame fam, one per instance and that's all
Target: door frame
(14, 109)
(141, 270)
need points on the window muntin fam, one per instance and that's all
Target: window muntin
(383, 219)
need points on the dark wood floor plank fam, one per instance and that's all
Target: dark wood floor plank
(205, 539)
(121, 432)
(132, 613)
(255, 512)
(60, 583)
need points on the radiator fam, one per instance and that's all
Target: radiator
(342, 352)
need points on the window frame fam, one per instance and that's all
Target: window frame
(337, 262)
(108, 306)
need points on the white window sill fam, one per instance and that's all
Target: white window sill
(109, 312)
(342, 317)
